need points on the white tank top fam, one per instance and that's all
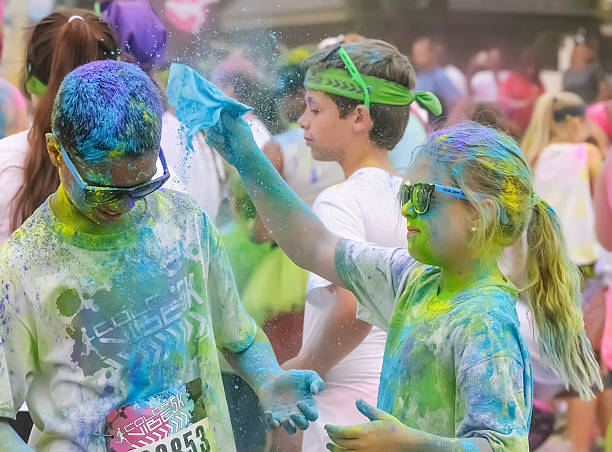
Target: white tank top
(561, 178)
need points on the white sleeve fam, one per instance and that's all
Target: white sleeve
(16, 343)
(233, 328)
(11, 179)
(376, 275)
(343, 217)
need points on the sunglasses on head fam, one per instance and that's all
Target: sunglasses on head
(104, 194)
(351, 68)
(420, 195)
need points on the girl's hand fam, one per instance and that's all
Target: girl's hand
(384, 433)
(232, 138)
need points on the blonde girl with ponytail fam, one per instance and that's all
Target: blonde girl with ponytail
(456, 372)
(565, 166)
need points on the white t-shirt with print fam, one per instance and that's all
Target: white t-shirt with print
(91, 323)
(365, 208)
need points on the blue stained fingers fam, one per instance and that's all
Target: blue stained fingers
(299, 421)
(270, 421)
(309, 411)
(289, 426)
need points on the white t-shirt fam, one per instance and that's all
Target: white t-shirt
(457, 77)
(199, 168)
(365, 208)
(561, 178)
(93, 323)
(484, 85)
(307, 176)
(13, 151)
(261, 134)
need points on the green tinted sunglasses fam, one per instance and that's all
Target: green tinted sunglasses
(420, 194)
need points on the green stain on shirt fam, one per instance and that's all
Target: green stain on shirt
(68, 302)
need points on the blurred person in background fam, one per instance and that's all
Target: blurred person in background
(414, 136)
(486, 74)
(518, 92)
(248, 246)
(585, 76)
(602, 199)
(430, 76)
(195, 168)
(601, 114)
(288, 150)
(141, 33)
(27, 176)
(238, 77)
(452, 72)
(13, 108)
(556, 145)
(490, 115)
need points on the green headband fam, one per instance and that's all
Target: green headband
(35, 86)
(381, 91)
(352, 84)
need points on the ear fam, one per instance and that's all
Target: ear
(362, 121)
(474, 217)
(53, 149)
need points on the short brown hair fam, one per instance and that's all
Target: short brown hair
(378, 59)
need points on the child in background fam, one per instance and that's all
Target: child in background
(519, 91)
(603, 223)
(195, 170)
(115, 295)
(26, 174)
(347, 351)
(288, 151)
(13, 108)
(456, 373)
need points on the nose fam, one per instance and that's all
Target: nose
(408, 211)
(302, 121)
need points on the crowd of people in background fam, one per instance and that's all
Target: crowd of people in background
(312, 322)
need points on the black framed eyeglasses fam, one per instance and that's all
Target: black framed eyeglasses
(104, 194)
(420, 194)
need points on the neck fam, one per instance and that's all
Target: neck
(369, 156)
(461, 275)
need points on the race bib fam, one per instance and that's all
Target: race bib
(171, 421)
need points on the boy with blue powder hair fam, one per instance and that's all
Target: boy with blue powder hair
(115, 295)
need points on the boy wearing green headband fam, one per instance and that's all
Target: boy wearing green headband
(357, 106)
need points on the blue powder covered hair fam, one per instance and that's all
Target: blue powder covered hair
(106, 110)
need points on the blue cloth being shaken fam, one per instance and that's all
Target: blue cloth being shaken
(198, 102)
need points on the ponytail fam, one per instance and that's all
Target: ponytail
(538, 133)
(553, 293)
(543, 127)
(56, 47)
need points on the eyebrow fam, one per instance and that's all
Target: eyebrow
(310, 100)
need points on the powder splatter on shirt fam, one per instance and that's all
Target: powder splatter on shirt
(454, 366)
(91, 322)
